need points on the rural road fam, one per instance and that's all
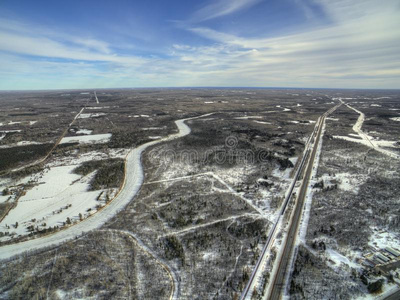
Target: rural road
(132, 184)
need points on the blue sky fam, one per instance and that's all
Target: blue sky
(176, 43)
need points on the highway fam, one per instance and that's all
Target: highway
(311, 143)
(278, 282)
(252, 281)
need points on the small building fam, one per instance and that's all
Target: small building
(382, 257)
(392, 251)
(368, 263)
(388, 254)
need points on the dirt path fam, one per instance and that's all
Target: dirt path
(368, 140)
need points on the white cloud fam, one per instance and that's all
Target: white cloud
(360, 48)
(219, 8)
(28, 42)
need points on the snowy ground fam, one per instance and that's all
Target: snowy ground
(97, 107)
(345, 181)
(21, 143)
(379, 143)
(383, 239)
(87, 139)
(249, 117)
(84, 131)
(91, 115)
(58, 195)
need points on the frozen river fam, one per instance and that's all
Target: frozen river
(133, 182)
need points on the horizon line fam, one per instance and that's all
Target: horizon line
(201, 87)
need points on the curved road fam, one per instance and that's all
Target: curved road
(132, 183)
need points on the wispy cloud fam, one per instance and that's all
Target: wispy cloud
(363, 46)
(26, 39)
(219, 8)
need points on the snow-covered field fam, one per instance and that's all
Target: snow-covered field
(18, 122)
(84, 131)
(58, 195)
(97, 107)
(154, 128)
(375, 142)
(91, 115)
(284, 108)
(87, 139)
(13, 123)
(249, 117)
(54, 190)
